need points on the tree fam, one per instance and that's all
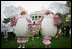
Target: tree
(6, 20)
(63, 16)
(63, 19)
(69, 5)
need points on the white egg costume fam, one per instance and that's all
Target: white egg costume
(48, 28)
(21, 27)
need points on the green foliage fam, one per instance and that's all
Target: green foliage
(63, 16)
(69, 5)
(63, 19)
(6, 20)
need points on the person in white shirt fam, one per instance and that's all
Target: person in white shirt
(5, 29)
(2, 25)
(10, 31)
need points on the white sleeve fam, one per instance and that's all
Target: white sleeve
(13, 28)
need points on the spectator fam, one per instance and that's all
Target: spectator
(64, 31)
(70, 32)
(67, 28)
(10, 31)
(60, 31)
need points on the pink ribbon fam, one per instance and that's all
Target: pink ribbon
(45, 38)
(21, 38)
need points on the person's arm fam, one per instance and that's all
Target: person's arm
(29, 22)
(27, 19)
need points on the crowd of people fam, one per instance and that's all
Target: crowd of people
(65, 31)
(7, 31)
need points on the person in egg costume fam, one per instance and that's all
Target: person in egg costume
(21, 28)
(49, 27)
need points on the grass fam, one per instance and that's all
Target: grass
(60, 42)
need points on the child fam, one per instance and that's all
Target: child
(60, 32)
(10, 32)
(46, 41)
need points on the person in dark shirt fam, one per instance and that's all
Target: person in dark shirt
(67, 30)
(63, 31)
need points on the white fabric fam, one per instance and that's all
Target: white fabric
(18, 41)
(6, 25)
(10, 29)
(48, 28)
(5, 28)
(21, 27)
(2, 27)
(5, 35)
(22, 41)
(46, 43)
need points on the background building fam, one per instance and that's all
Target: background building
(36, 16)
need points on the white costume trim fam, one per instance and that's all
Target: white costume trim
(22, 41)
(46, 43)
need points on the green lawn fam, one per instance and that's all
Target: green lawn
(59, 42)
